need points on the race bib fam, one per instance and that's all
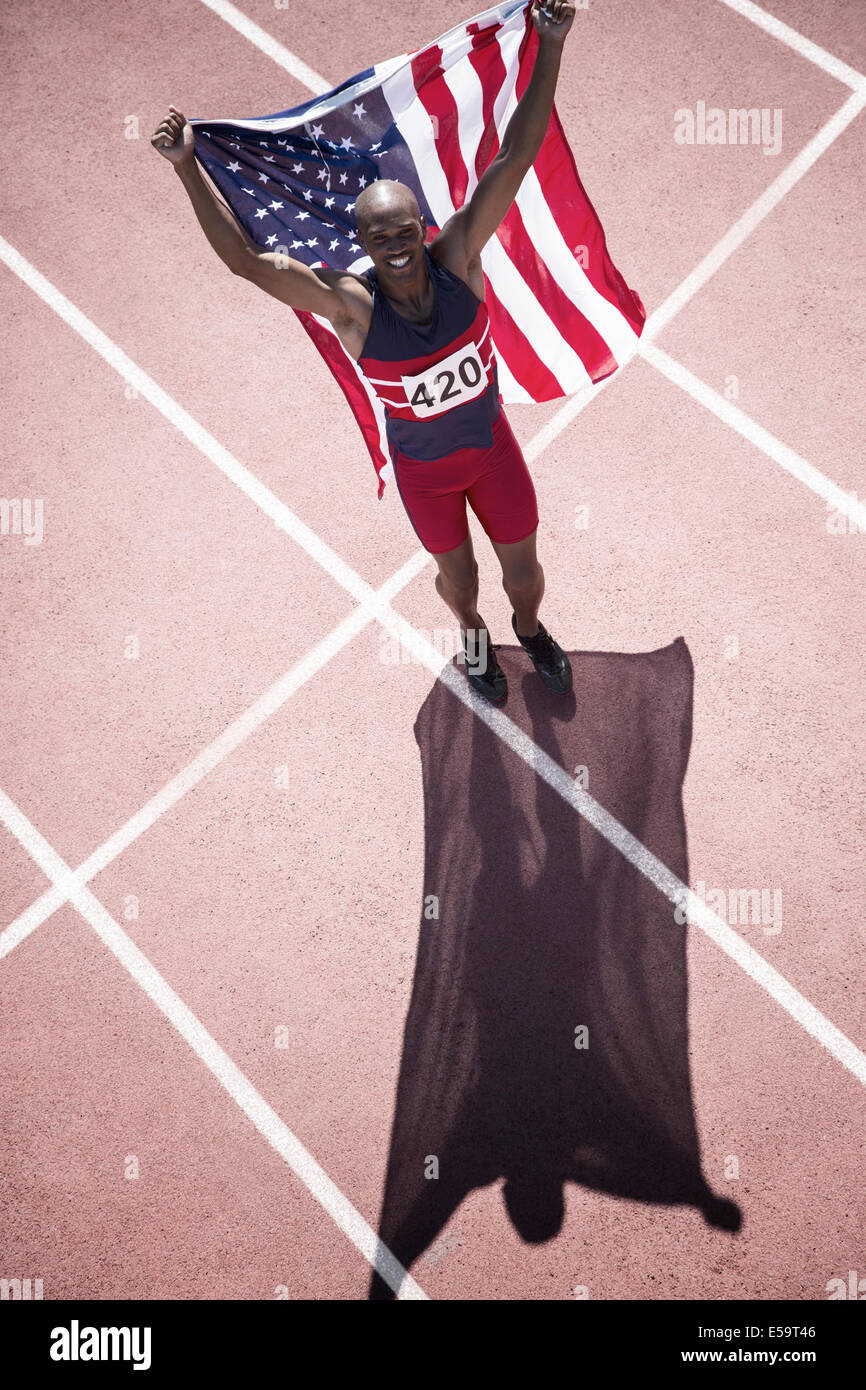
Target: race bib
(458, 378)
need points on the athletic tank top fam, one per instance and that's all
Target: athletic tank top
(437, 381)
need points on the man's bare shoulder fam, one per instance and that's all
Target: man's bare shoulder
(449, 249)
(347, 283)
(351, 308)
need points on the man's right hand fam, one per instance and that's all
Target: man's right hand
(174, 138)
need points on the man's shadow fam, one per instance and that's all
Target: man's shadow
(546, 1040)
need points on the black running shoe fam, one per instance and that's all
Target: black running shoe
(483, 670)
(547, 657)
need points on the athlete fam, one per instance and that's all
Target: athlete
(417, 325)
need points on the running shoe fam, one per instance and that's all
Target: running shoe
(548, 658)
(482, 668)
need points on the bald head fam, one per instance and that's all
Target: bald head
(383, 202)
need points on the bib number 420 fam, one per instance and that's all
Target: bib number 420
(457, 378)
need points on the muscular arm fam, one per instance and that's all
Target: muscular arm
(332, 294)
(320, 290)
(475, 223)
(223, 231)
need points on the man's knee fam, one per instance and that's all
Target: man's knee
(462, 583)
(522, 578)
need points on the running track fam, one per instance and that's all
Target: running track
(213, 851)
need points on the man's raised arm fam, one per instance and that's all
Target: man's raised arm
(497, 188)
(329, 293)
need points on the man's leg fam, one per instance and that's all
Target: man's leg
(523, 581)
(457, 584)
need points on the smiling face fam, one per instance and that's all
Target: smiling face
(391, 229)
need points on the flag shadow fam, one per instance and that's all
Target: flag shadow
(547, 1040)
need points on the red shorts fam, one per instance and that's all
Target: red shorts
(495, 482)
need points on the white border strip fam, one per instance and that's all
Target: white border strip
(206, 1048)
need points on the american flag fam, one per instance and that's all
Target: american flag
(561, 314)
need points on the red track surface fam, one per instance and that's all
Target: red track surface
(299, 907)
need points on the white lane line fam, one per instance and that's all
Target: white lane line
(798, 467)
(272, 47)
(754, 215)
(210, 757)
(217, 1061)
(564, 416)
(805, 47)
(280, 514)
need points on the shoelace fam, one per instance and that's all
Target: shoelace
(542, 643)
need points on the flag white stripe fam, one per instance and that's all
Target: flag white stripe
(463, 84)
(416, 129)
(605, 317)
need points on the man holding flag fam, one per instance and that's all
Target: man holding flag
(426, 316)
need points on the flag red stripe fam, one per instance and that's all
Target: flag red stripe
(334, 354)
(572, 209)
(429, 78)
